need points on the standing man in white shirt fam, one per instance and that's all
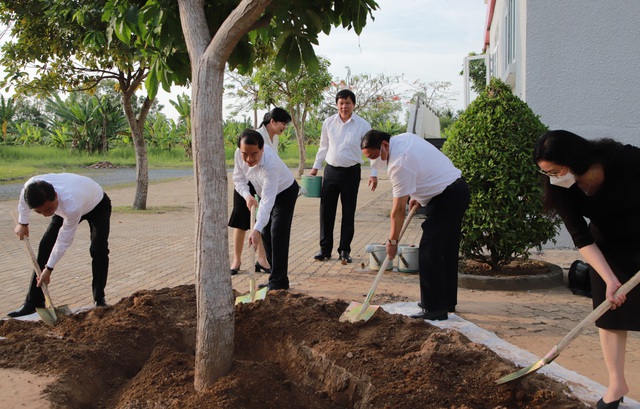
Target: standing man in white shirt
(68, 199)
(340, 148)
(257, 163)
(420, 172)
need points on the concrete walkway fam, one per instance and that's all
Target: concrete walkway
(156, 249)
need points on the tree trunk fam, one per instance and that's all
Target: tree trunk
(139, 145)
(255, 112)
(298, 125)
(215, 303)
(104, 145)
(215, 332)
(140, 148)
(302, 149)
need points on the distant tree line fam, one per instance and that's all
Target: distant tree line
(94, 121)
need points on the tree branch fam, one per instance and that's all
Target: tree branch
(239, 22)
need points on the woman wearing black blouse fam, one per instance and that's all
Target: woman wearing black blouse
(600, 181)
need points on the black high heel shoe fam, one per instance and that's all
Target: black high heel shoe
(611, 405)
(260, 267)
(235, 271)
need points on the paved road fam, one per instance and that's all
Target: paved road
(106, 177)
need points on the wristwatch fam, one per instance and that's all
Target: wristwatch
(392, 242)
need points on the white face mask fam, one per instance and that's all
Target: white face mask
(378, 164)
(566, 181)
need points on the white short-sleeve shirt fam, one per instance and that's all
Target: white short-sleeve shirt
(418, 169)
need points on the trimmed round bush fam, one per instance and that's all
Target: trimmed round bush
(492, 144)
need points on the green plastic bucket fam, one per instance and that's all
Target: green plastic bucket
(312, 185)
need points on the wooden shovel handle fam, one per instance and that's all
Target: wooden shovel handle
(595, 314)
(383, 267)
(36, 266)
(252, 253)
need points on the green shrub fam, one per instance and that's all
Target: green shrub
(492, 144)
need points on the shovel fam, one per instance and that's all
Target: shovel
(49, 314)
(363, 311)
(588, 321)
(253, 295)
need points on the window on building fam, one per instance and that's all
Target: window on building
(510, 34)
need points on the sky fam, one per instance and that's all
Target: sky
(424, 40)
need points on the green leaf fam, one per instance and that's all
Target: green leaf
(283, 53)
(294, 58)
(309, 56)
(151, 84)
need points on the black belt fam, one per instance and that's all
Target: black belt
(344, 167)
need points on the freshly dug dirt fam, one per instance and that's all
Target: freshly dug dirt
(290, 352)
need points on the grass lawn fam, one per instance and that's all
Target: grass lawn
(18, 163)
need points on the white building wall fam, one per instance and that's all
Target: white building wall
(578, 67)
(582, 70)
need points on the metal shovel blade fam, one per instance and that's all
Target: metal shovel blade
(252, 296)
(63, 310)
(48, 316)
(354, 312)
(526, 371)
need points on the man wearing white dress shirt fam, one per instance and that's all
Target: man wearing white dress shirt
(257, 163)
(68, 199)
(420, 172)
(340, 148)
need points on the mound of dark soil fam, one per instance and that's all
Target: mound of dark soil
(291, 351)
(515, 268)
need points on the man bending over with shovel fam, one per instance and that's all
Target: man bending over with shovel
(419, 170)
(69, 199)
(257, 163)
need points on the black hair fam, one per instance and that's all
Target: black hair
(251, 137)
(344, 94)
(373, 139)
(278, 115)
(39, 192)
(573, 151)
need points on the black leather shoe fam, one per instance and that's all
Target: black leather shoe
(234, 271)
(449, 309)
(322, 256)
(344, 256)
(100, 302)
(273, 286)
(611, 405)
(26, 309)
(431, 315)
(260, 267)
